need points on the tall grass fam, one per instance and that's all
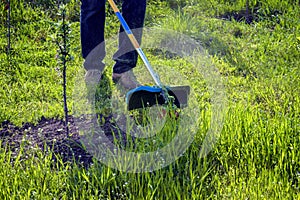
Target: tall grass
(257, 154)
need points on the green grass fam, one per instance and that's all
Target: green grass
(257, 154)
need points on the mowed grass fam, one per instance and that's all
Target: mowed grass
(257, 154)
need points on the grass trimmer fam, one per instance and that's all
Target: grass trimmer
(147, 96)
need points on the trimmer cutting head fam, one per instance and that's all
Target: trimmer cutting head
(147, 96)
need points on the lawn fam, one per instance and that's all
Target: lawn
(244, 86)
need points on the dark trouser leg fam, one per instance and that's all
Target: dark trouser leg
(133, 12)
(92, 19)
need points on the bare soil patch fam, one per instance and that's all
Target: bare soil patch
(49, 135)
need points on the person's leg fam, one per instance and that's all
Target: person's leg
(92, 20)
(133, 12)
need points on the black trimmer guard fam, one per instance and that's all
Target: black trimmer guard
(147, 96)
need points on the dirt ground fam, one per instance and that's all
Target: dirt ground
(50, 135)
